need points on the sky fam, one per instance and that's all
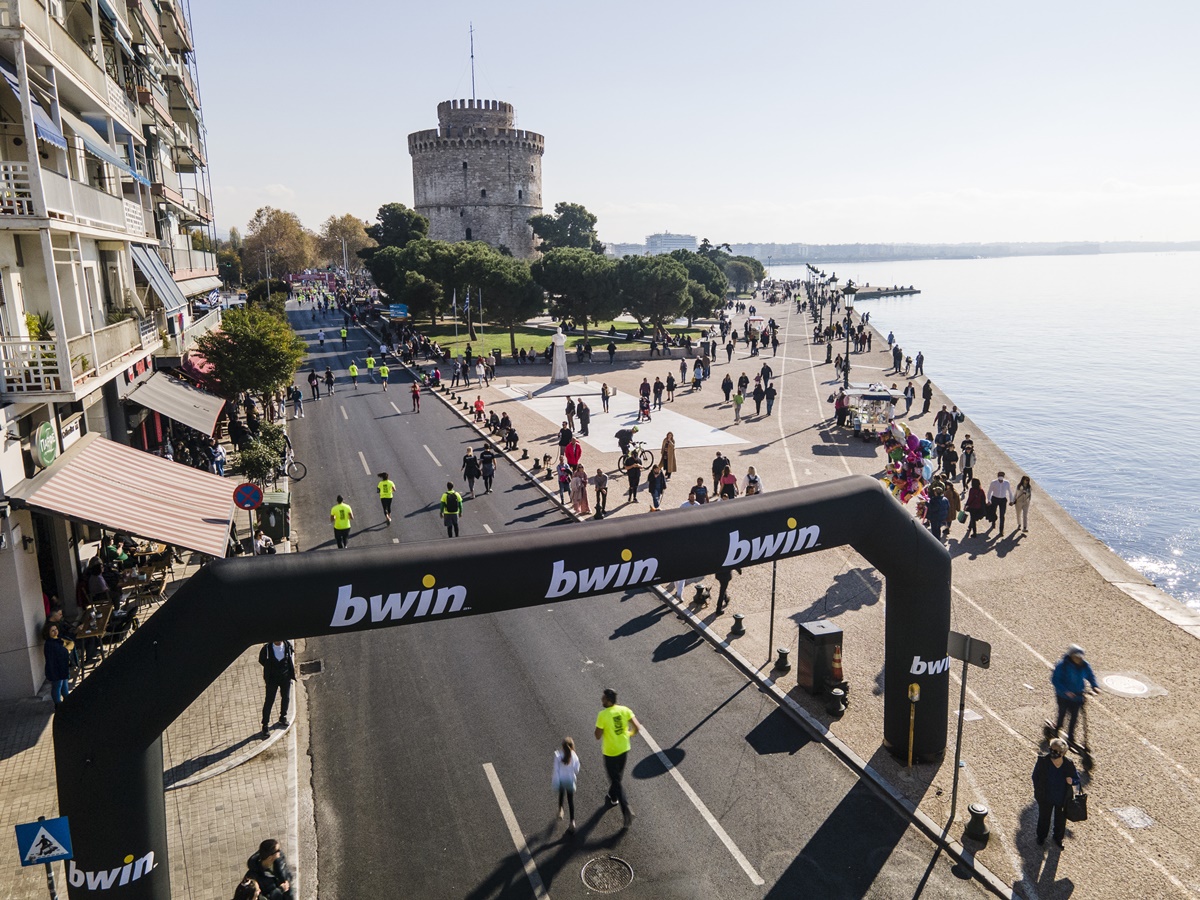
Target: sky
(752, 122)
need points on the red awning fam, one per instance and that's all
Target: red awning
(108, 484)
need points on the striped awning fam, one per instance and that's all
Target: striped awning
(180, 401)
(104, 483)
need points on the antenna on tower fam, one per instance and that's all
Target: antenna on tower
(472, 24)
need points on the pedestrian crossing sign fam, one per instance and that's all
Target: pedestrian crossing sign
(44, 841)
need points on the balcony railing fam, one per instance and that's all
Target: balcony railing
(114, 343)
(135, 218)
(189, 263)
(186, 340)
(72, 201)
(31, 367)
(16, 189)
(198, 203)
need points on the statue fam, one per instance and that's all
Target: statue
(558, 362)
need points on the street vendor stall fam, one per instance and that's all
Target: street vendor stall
(871, 405)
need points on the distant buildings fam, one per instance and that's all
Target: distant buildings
(619, 250)
(657, 244)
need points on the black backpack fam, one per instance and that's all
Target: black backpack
(453, 506)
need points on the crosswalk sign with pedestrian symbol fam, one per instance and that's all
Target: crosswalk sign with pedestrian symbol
(44, 842)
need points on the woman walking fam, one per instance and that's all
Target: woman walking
(1055, 779)
(656, 484)
(471, 470)
(604, 395)
(727, 486)
(752, 484)
(667, 459)
(976, 506)
(487, 466)
(1024, 496)
(566, 772)
(633, 471)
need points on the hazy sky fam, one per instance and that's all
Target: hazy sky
(815, 122)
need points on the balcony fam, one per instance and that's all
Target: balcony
(71, 201)
(198, 203)
(185, 263)
(33, 367)
(174, 28)
(155, 99)
(186, 340)
(16, 189)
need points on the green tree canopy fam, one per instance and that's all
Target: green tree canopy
(654, 288)
(257, 295)
(395, 226)
(582, 284)
(740, 275)
(570, 226)
(434, 261)
(758, 269)
(254, 351)
(280, 234)
(229, 264)
(707, 284)
(510, 295)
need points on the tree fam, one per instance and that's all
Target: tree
(653, 288)
(273, 301)
(254, 351)
(510, 295)
(758, 271)
(433, 261)
(570, 226)
(229, 264)
(395, 226)
(235, 238)
(740, 275)
(707, 284)
(348, 228)
(280, 234)
(709, 249)
(582, 285)
(422, 295)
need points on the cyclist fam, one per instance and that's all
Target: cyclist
(387, 490)
(625, 438)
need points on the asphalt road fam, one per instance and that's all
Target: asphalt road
(432, 746)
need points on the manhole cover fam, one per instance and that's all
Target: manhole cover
(311, 668)
(607, 874)
(1123, 684)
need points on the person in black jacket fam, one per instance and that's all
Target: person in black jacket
(269, 868)
(279, 671)
(1054, 781)
(58, 664)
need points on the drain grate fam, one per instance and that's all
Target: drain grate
(311, 668)
(607, 874)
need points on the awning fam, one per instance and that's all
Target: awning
(104, 483)
(151, 266)
(43, 124)
(194, 287)
(96, 145)
(177, 400)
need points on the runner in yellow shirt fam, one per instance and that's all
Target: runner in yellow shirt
(341, 516)
(354, 374)
(615, 725)
(370, 366)
(387, 490)
(383, 375)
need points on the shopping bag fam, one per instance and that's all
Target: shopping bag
(962, 516)
(1077, 808)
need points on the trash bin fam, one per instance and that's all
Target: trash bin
(819, 656)
(275, 515)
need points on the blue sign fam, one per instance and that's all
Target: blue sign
(247, 496)
(44, 842)
(398, 310)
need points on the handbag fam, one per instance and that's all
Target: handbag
(962, 516)
(1077, 808)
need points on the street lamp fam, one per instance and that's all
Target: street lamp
(848, 293)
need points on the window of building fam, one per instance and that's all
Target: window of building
(462, 212)
(468, 234)
(520, 194)
(464, 165)
(483, 193)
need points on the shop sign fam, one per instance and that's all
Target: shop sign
(72, 430)
(45, 445)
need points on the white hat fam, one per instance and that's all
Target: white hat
(1075, 650)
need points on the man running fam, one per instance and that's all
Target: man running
(344, 333)
(353, 370)
(387, 490)
(370, 367)
(452, 509)
(341, 516)
(328, 382)
(383, 374)
(615, 725)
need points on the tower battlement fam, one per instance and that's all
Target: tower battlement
(476, 177)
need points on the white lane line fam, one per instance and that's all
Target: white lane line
(431, 456)
(510, 819)
(488, 529)
(366, 468)
(708, 817)
(395, 540)
(344, 416)
(396, 408)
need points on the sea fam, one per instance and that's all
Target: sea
(1077, 366)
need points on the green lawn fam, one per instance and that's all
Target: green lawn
(490, 337)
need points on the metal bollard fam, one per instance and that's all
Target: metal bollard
(782, 664)
(837, 702)
(524, 453)
(977, 828)
(739, 626)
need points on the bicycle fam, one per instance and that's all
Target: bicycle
(644, 456)
(294, 469)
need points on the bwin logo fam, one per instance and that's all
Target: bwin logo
(777, 544)
(351, 610)
(107, 878)
(585, 581)
(934, 667)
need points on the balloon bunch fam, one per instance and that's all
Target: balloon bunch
(910, 465)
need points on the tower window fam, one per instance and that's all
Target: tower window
(462, 212)
(464, 165)
(483, 193)
(530, 168)
(468, 234)
(520, 194)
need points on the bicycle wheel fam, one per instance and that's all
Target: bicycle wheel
(647, 458)
(296, 470)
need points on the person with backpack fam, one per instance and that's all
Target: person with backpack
(752, 484)
(452, 509)
(279, 671)
(270, 872)
(471, 470)
(297, 402)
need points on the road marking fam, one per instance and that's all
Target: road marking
(344, 416)
(395, 540)
(488, 529)
(366, 468)
(430, 452)
(708, 817)
(518, 839)
(293, 792)
(396, 408)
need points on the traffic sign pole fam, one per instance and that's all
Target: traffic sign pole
(50, 873)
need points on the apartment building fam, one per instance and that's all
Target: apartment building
(103, 185)
(665, 242)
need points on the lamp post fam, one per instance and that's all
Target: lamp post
(267, 254)
(848, 293)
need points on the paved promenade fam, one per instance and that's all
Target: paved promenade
(1029, 595)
